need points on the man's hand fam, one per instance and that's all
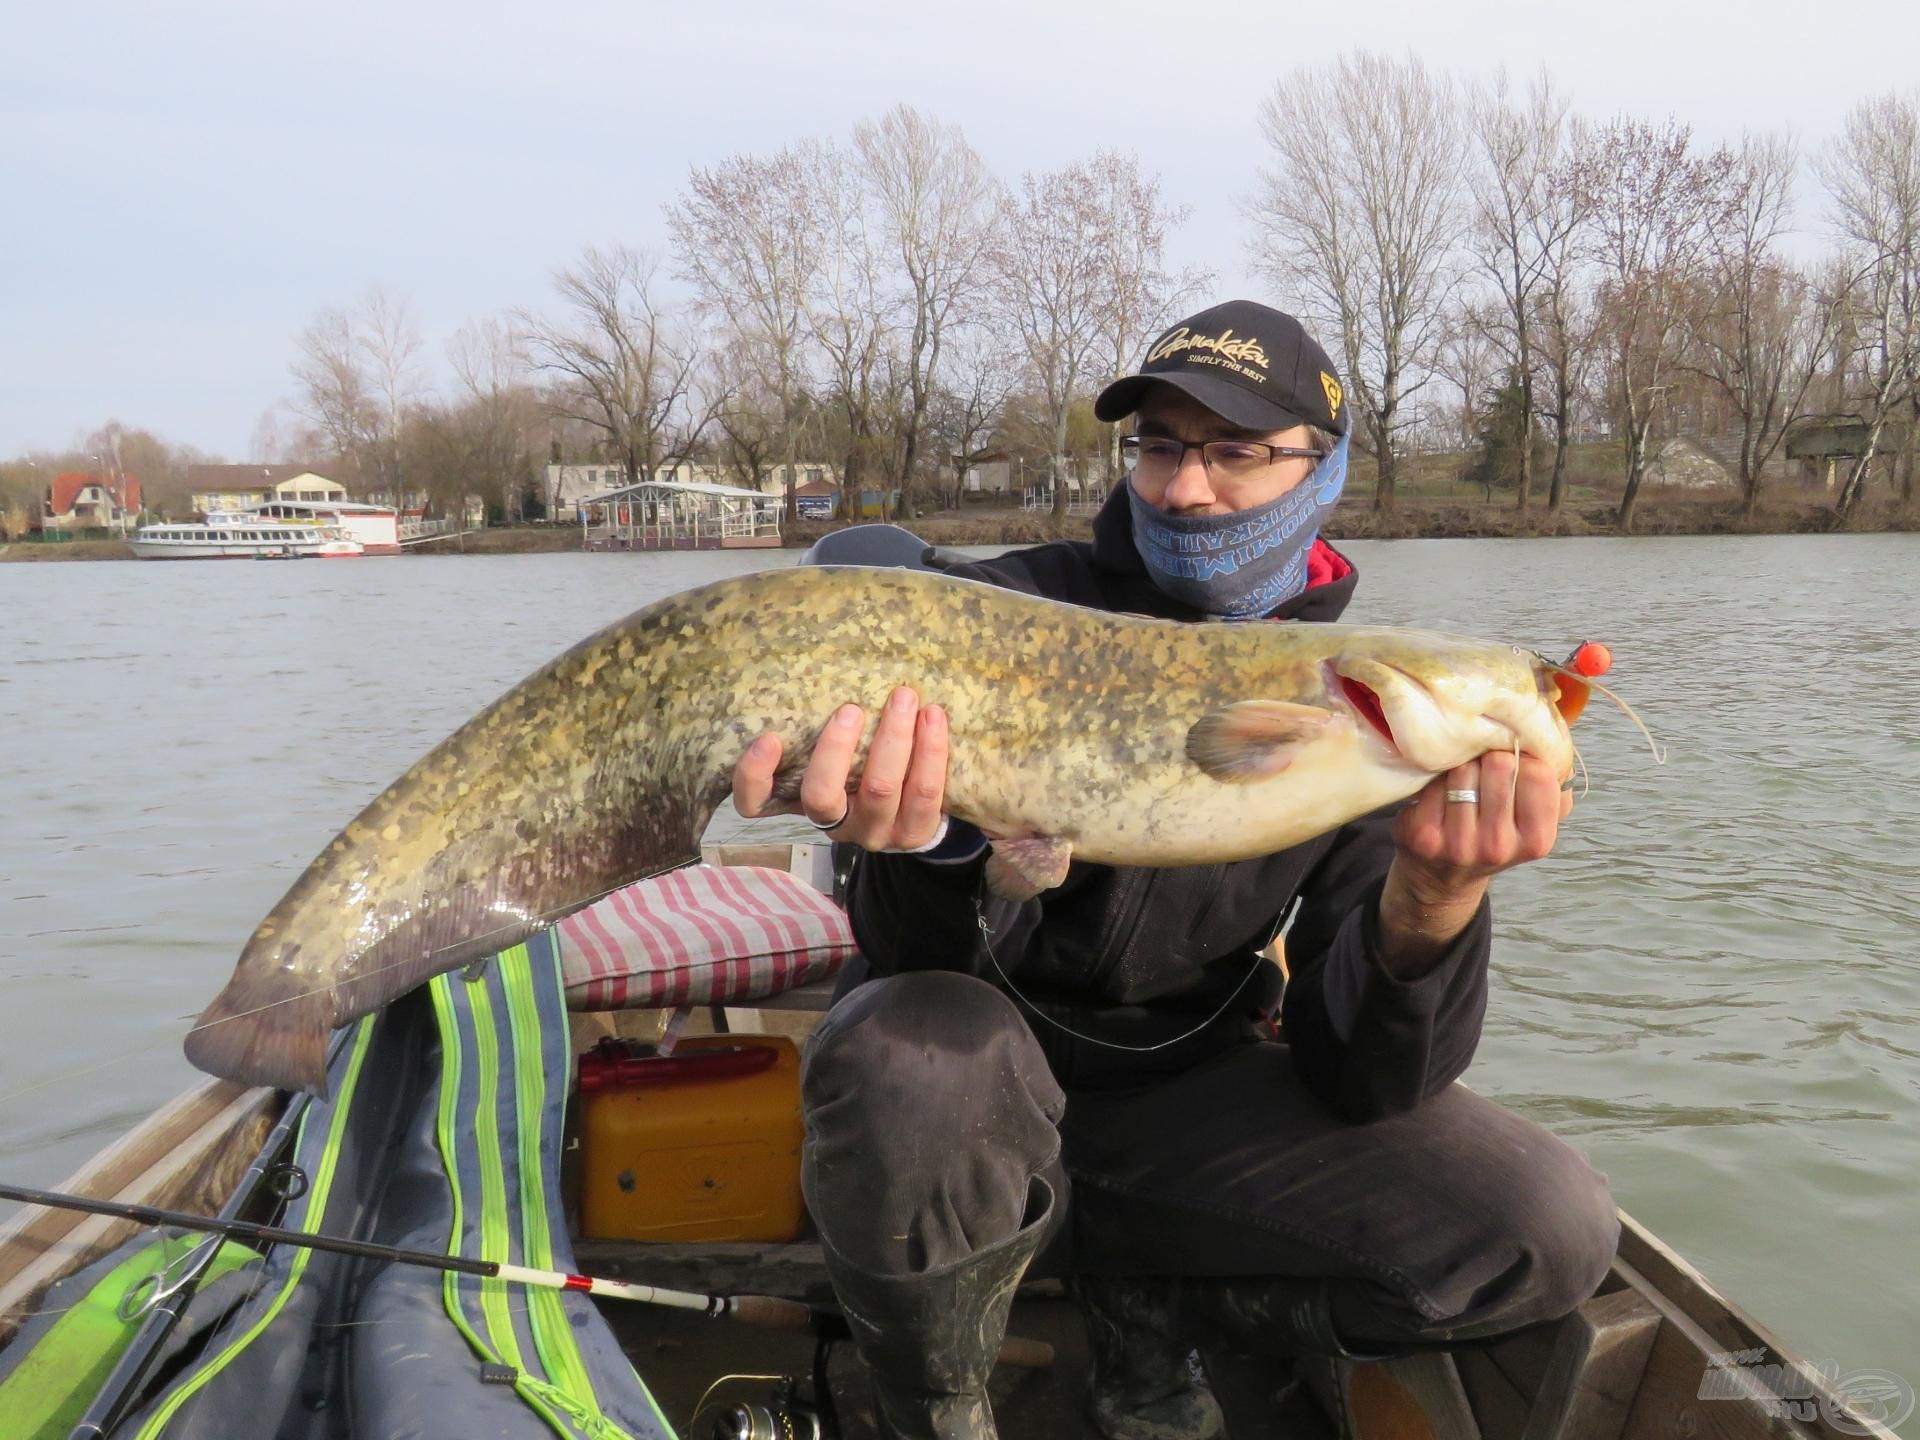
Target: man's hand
(902, 789)
(1448, 850)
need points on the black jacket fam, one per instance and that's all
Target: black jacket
(1140, 958)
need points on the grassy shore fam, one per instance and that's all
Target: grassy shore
(514, 540)
(67, 550)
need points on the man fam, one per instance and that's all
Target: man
(1085, 1073)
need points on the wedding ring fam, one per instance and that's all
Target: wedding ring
(1463, 797)
(830, 824)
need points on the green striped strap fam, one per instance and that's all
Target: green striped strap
(47, 1394)
(555, 1380)
(312, 1217)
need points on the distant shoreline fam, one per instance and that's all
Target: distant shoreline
(1414, 518)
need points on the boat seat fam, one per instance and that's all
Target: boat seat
(744, 935)
(816, 999)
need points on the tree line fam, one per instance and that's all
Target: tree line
(1492, 272)
(1483, 247)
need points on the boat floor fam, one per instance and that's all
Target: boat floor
(680, 1355)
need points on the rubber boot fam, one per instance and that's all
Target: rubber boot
(929, 1340)
(1144, 1386)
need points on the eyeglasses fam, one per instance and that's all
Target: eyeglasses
(1156, 459)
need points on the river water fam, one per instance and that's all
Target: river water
(1712, 987)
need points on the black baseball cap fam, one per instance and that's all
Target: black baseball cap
(1252, 366)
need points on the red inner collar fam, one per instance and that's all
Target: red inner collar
(1325, 564)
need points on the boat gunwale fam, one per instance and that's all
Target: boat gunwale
(174, 1158)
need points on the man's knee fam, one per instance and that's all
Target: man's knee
(929, 1107)
(1518, 1229)
(919, 1045)
(1563, 1230)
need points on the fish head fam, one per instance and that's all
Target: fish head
(1432, 702)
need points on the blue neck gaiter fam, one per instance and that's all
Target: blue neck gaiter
(1241, 565)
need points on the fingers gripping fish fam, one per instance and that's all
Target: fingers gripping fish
(1074, 732)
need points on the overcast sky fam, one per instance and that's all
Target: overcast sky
(183, 185)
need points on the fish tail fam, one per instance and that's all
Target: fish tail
(260, 1039)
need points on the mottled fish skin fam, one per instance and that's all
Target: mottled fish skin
(605, 765)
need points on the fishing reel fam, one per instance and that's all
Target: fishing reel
(783, 1417)
(782, 1413)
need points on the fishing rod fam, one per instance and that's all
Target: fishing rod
(767, 1311)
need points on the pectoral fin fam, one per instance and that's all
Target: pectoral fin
(1021, 868)
(1253, 739)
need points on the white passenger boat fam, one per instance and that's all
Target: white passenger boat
(375, 527)
(243, 538)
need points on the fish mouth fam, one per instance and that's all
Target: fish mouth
(1365, 695)
(1414, 726)
(1433, 728)
(1366, 704)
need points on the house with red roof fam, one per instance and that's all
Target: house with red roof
(91, 500)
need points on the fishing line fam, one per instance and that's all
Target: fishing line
(1659, 755)
(986, 941)
(124, 1057)
(541, 921)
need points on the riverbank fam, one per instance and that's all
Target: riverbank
(1415, 517)
(1431, 518)
(22, 551)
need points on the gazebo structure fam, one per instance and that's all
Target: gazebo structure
(680, 515)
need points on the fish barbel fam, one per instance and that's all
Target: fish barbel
(1073, 732)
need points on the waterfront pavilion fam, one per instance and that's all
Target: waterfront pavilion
(680, 515)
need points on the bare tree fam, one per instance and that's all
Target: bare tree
(616, 365)
(1652, 208)
(496, 413)
(390, 343)
(935, 200)
(1050, 282)
(967, 409)
(743, 236)
(1140, 294)
(1758, 331)
(269, 436)
(848, 318)
(1358, 219)
(750, 424)
(1564, 324)
(358, 375)
(1872, 175)
(336, 394)
(1522, 223)
(1474, 362)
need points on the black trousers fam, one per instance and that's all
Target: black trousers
(929, 1106)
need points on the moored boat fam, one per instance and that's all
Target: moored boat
(454, 1124)
(376, 528)
(243, 538)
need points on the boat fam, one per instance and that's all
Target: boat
(1656, 1353)
(243, 537)
(375, 527)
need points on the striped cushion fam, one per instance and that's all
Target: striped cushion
(708, 935)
